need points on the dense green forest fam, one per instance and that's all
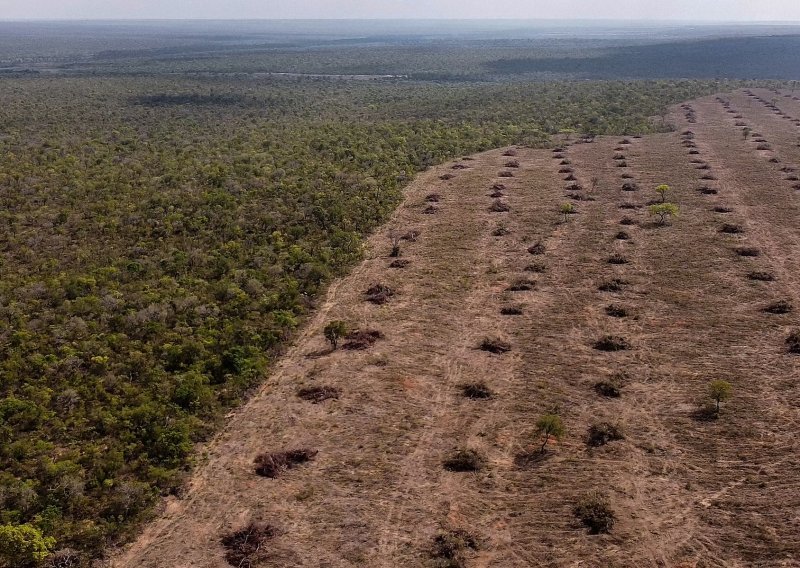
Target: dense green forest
(162, 236)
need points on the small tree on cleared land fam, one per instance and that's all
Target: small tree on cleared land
(746, 131)
(549, 425)
(567, 209)
(394, 238)
(663, 211)
(334, 331)
(719, 391)
(662, 190)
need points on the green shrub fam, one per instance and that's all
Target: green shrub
(549, 426)
(566, 210)
(663, 211)
(719, 391)
(24, 545)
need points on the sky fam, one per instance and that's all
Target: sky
(691, 10)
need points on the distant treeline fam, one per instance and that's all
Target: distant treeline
(775, 57)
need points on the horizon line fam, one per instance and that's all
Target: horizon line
(407, 19)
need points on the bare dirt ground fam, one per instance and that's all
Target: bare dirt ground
(686, 492)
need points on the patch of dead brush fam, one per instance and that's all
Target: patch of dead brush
(477, 390)
(494, 345)
(318, 394)
(360, 340)
(246, 547)
(378, 294)
(603, 433)
(463, 461)
(399, 263)
(612, 343)
(450, 549)
(271, 465)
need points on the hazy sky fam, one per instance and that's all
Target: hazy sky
(716, 10)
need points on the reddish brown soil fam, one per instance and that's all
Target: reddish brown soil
(686, 492)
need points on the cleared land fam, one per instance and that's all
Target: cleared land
(686, 491)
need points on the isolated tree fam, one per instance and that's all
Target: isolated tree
(663, 211)
(334, 331)
(719, 391)
(549, 426)
(567, 209)
(662, 190)
(567, 132)
(746, 131)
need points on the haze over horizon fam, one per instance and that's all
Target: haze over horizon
(738, 11)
